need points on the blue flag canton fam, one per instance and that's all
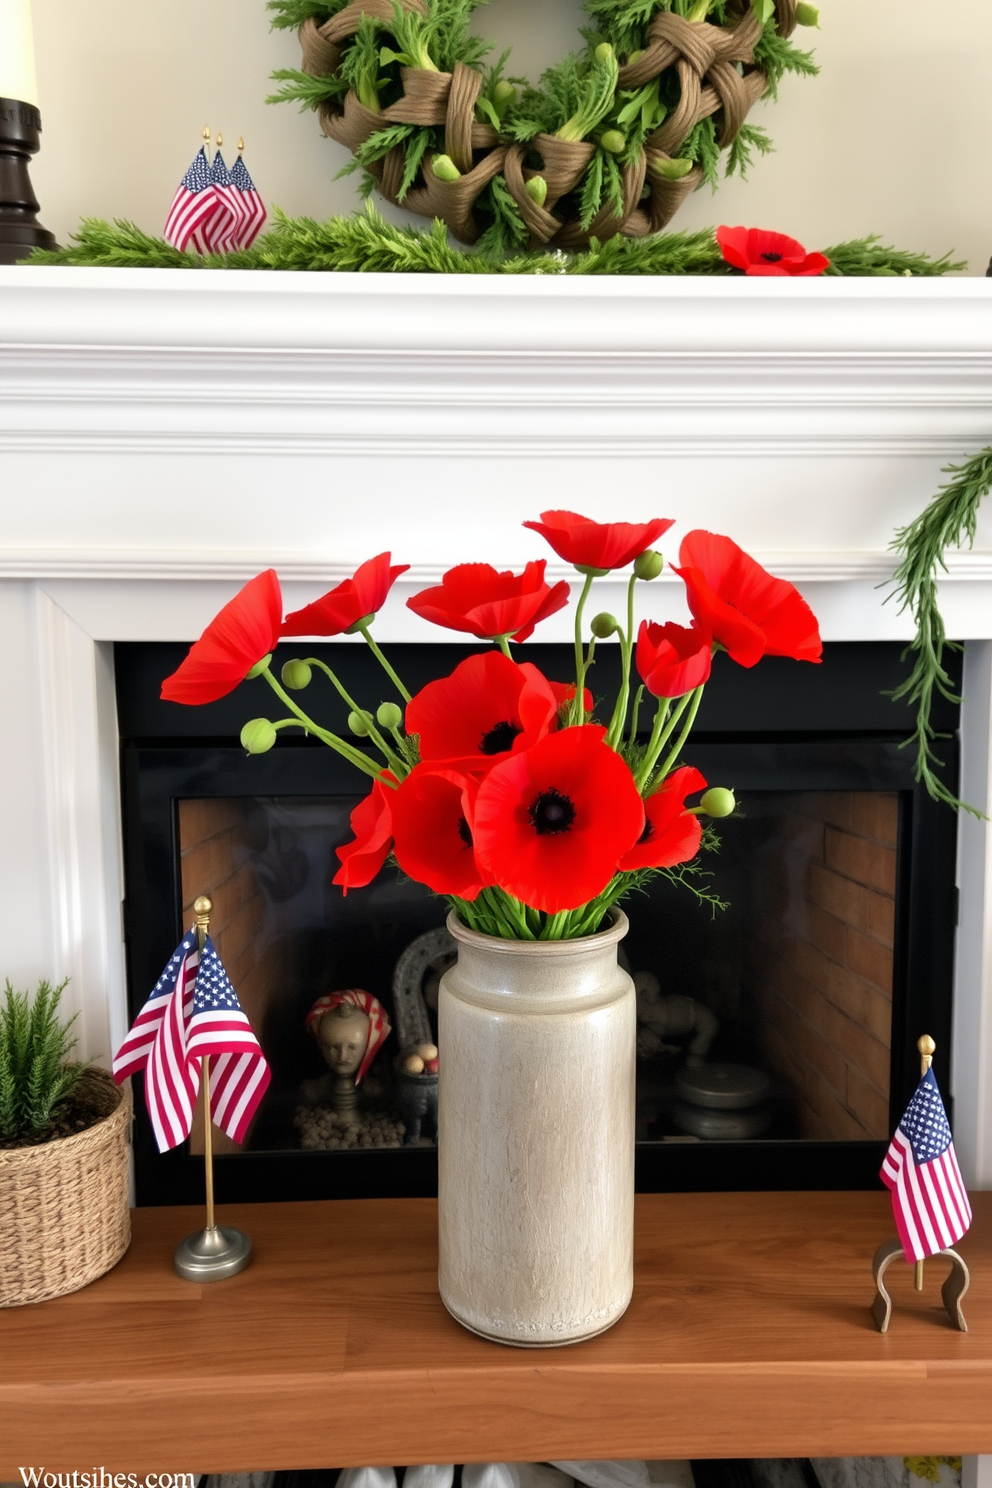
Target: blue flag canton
(197, 178)
(219, 173)
(925, 1122)
(240, 177)
(213, 992)
(167, 981)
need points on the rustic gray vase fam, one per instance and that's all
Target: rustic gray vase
(536, 1136)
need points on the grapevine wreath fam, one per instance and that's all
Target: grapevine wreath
(611, 142)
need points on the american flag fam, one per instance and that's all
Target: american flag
(929, 1200)
(252, 204)
(193, 1014)
(194, 203)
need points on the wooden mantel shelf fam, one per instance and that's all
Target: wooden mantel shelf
(749, 1335)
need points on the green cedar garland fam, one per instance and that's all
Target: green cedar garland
(366, 244)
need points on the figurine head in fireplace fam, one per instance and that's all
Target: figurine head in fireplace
(350, 1027)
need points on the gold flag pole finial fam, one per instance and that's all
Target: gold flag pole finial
(927, 1049)
(220, 140)
(205, 136)
(241, 144)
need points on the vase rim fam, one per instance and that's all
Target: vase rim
(612, 935)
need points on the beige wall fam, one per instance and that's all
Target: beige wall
(893, 137)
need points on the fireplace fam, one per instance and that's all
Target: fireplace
(834, 951)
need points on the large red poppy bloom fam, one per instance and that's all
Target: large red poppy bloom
(488, 709)
(432, 831)
(742, 606)
(673, 659)
(354, 599)
(588, 544)
(757, 251)
(552, 823)
(246, 629)
(478, 598)
(671, 833)
(371, 822)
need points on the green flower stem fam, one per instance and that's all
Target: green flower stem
(638, 696)
(697, 698)
(659, 735)
(503, 642)
(367, 633)
(392, 759)
(578, 703)
(354, 756)
(627, 650)
(555, 925)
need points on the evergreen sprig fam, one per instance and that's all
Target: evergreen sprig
(950, 520)
(35, 1076)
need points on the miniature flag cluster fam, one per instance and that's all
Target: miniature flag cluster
(215, 210)
(193, 1014)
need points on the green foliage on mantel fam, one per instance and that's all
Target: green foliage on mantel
(366, 244)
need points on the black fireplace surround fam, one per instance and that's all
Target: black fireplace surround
(784, 727)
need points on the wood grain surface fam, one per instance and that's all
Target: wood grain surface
(748, 1335)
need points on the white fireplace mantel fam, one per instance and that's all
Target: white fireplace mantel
(165, 434)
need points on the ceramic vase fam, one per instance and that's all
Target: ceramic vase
(536, 1136)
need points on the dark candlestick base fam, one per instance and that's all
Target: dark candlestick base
(20, 138)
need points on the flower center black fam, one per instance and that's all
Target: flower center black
(772, 257)
(551, 813)
(648, 832)
(500, 737)
(464, 831)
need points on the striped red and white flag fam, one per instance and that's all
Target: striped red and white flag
(929, 1199)
(193, 1014)
(194, 204)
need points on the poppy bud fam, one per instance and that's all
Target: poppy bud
(296, 675)
(359, 724)
(807, 15)
(445, 168)
(389, 715)
(504, 94)
(604, 52)
(258, 668)
(614, 141)
(672, 170)
(648, 565)
(537, 189)
(718, 801)
(604, 625)
(258, 736)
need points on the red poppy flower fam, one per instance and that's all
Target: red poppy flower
(673, 659)
(564, 693)
(602, 545)
(671, 834)
(486, 710)
(354, 599)
(479, 599)
(742, 606)
(759, 252)
(246, 629)
(371, 822)
(432, 826)
(552, 823)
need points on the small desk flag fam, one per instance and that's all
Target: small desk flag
(929, 1199)
(193, 1014)
(193, 205)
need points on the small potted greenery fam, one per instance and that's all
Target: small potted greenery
(64, 1131)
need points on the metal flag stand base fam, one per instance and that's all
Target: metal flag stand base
(215, 1252)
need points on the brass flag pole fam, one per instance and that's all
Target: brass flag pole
(213, 1253)
(927, 1049)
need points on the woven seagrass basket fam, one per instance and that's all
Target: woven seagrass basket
(64, 1215)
